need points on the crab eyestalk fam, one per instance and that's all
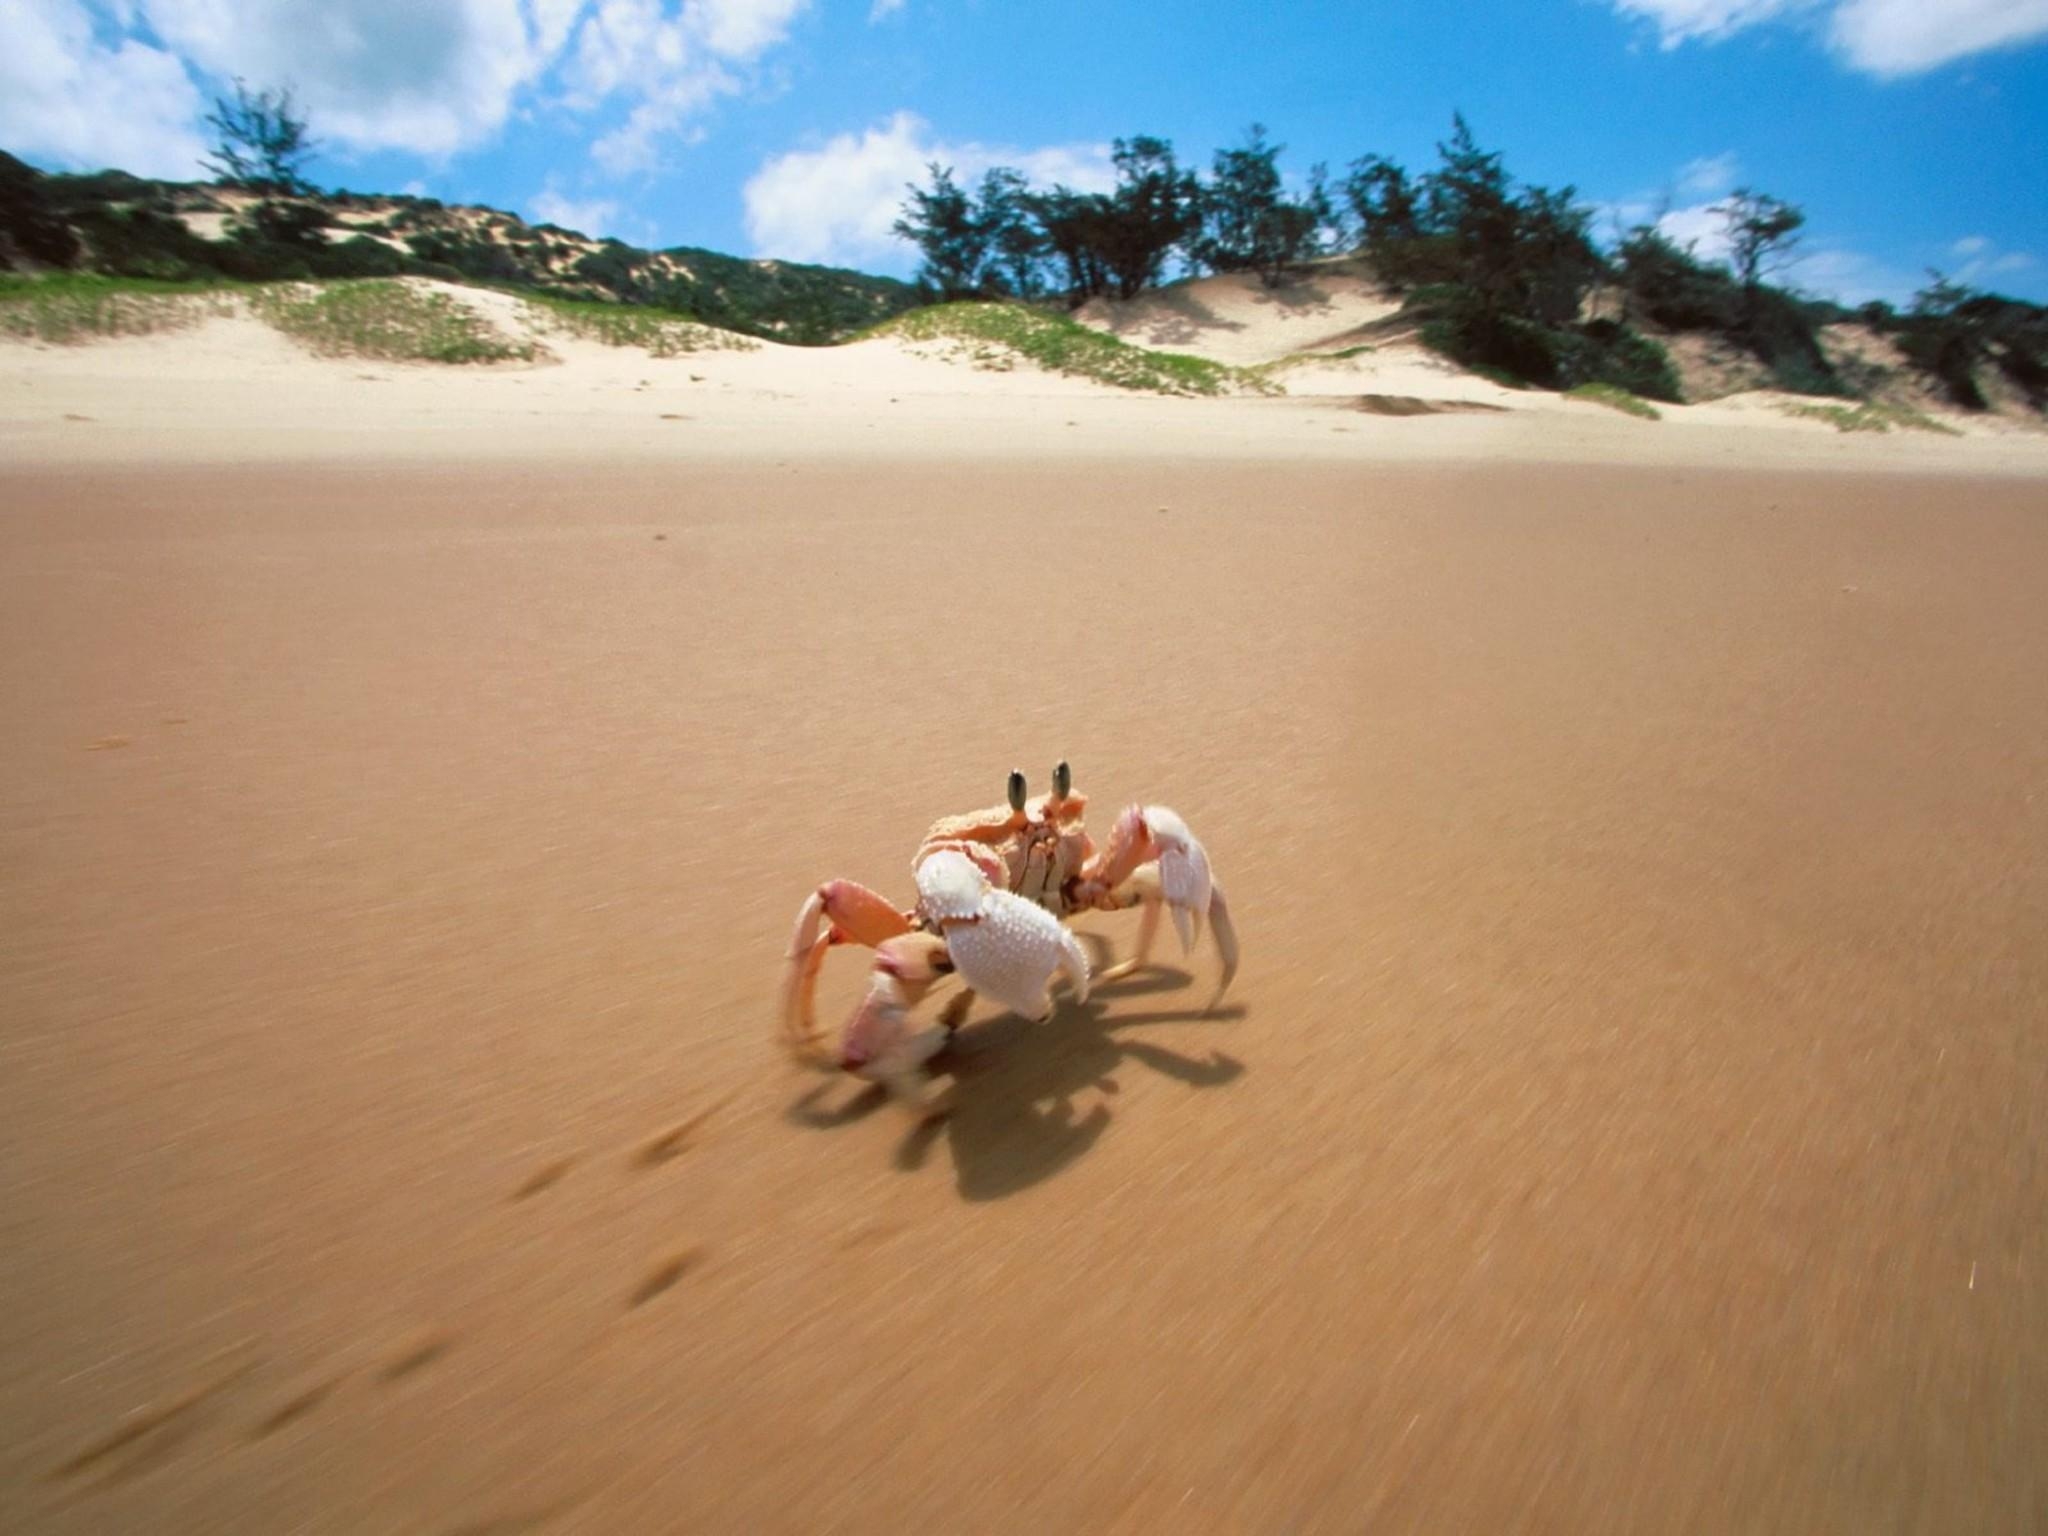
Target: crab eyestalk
(1016, 789)
(1062, 780)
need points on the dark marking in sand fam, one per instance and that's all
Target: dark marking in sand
(673, 416)
(297, 1406)
(417, 1355)
(543, 1178)
(868, 1236)
(74, 416)
(150, 1426)
(676, 1140)
(663, 1276)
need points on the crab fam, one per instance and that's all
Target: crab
(994, 891)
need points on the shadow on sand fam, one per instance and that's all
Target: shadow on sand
(1013, 1123)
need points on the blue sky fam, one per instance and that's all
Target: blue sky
(1913, 132)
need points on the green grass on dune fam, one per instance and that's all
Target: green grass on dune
(660, 333)
(69, 308)
(995, 336)
(1870, 417)
(389, 320)
(1616, 398)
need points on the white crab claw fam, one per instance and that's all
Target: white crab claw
(1002, 946)
(950, 887)
(1183, 873)
(1012, 951)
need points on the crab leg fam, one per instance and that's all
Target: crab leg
(837, 912)
(1140, 891)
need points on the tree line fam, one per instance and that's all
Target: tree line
(1002, 239)
(1499, 274)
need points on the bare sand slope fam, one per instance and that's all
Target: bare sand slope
(1238, 319)
(1627, 1118)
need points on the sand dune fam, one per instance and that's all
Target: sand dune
(231, 390)
(1236, 319)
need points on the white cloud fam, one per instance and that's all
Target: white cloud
(375, 74)
(1981, 259)
(69, 98)
(1905, 37)
(1708, 176)
(1850, 277)
(595, 216)
(1887, 38)
(1687, 212)
(883, 8)
(1681, 21)
(674, 61)
(836, 203)
(1699, 228)
(744, 29)
(127, 82)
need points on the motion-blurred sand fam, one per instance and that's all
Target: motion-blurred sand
(1627, 1117)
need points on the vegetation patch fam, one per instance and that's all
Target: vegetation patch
(67, 308)
(1617, 398)
(388, 320)
(1415, 405)
(658, 332)
(994, 336)
(1871, 416)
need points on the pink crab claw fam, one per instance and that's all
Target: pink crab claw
(880, 1042)
(1003, 946)
(837, 912)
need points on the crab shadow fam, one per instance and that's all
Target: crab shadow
(1014, 1084)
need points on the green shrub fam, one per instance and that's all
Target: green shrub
(1549, 357)
(29, 225)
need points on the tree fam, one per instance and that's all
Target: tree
(1155, 208)
(1761, 232)
(262, 144)
(1248, 224)
(1386, 210)
(1072, 225)
(1523, 257)
(1015, 246)
(942, 222)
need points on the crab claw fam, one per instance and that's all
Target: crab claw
(1153, 860)
(1003, 946)
(881, 1043)
(1184, 878)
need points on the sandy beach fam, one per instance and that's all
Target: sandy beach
(1627, 1116)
